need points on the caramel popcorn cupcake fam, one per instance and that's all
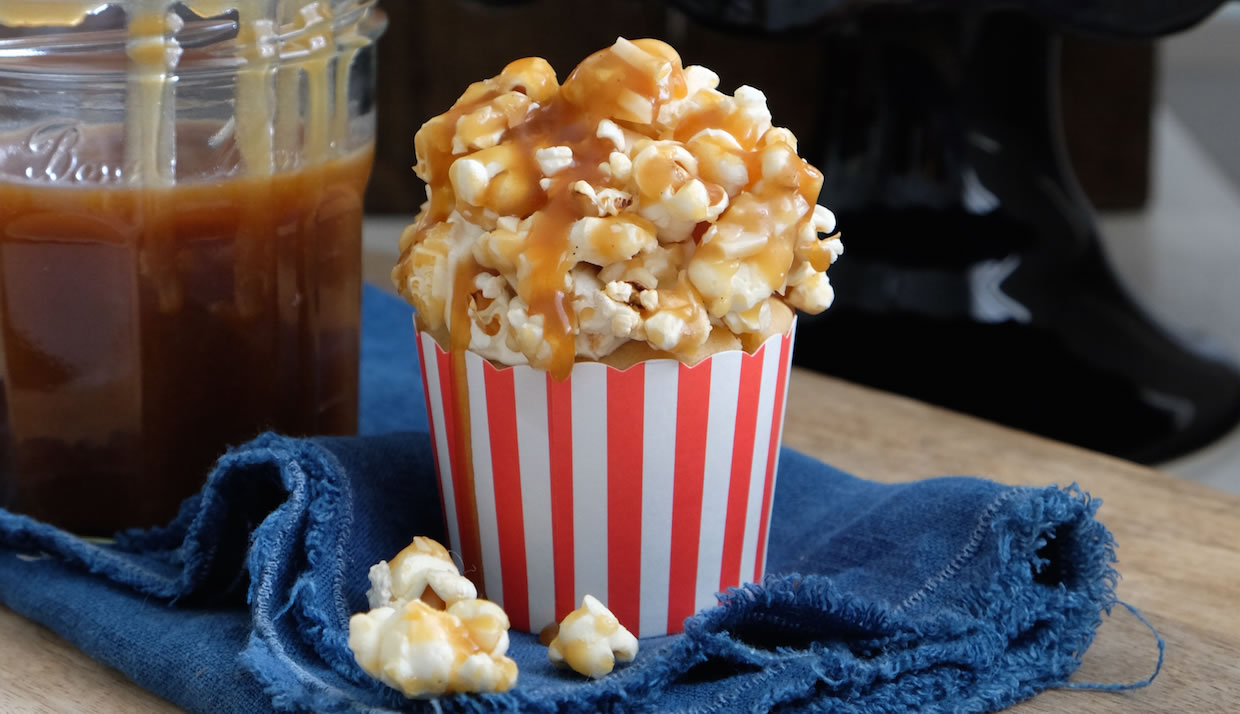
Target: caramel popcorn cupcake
(605, 274)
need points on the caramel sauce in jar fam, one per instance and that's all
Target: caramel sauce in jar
(144, 330)
(180, 242)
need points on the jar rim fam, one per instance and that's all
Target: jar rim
(208, 43)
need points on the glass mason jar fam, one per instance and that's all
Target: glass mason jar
(180, 241)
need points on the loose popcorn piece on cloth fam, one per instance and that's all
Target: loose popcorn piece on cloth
(635, 203)
(591, 640)
(424, 652)
(422, 570)
(427, 633)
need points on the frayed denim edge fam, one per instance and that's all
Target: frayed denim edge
(1022, 527)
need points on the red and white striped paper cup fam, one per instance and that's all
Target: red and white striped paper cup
(649, 488)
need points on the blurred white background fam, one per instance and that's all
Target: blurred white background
(1180, 256)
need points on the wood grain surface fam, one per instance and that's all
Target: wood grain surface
(1179, 551)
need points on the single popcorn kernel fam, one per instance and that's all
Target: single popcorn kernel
(424, 652)
(591, 640)
(423, 570)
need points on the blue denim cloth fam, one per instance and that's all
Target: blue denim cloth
(945, 595)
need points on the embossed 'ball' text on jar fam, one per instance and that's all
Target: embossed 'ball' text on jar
(180, 241)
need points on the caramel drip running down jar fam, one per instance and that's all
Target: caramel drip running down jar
(180, 241)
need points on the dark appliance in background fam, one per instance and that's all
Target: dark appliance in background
(973, 277)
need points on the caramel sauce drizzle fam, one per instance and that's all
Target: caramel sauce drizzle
(459, 334)
(558, 124)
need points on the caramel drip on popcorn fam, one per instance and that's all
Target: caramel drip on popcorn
(633, 203)
(471, 542)
(558, 124)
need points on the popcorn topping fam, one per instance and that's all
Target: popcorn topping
(635, 202)
(590, 640)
